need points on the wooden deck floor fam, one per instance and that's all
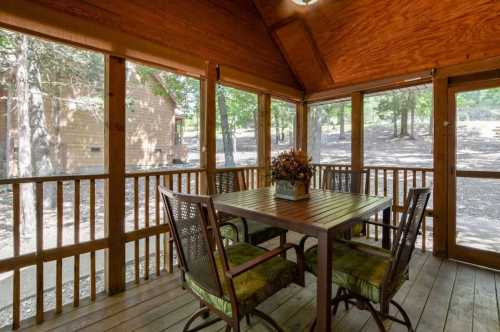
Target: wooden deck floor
(441, 295)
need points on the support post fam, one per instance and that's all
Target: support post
(357, 148)
(440, 190)
(208, 126)
(115, 164)
(302, 127)
(264, 139)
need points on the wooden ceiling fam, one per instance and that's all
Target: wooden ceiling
(341, 42)
(329, 44)
(226, 32)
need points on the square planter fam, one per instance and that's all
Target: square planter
(294, 192)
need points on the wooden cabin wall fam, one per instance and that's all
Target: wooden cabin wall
(226, 32)
(365, 40)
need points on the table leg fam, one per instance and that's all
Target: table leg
(386, 231)
(324, 280)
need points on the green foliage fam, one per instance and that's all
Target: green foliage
(241, 108)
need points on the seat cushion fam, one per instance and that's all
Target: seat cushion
(360, 271)
(252, 287)
(257, 232)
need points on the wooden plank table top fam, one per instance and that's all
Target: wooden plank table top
(324, 211)
(322, 215)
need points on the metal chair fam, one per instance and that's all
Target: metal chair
(229, 282)
(236, 228)
(346, 180)
(367, 274)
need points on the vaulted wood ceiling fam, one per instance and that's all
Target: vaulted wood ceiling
(329, 44)
(340, 42)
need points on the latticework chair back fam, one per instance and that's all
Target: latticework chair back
(346, 180)
(408, 230)
(189, 218)
(228, 181)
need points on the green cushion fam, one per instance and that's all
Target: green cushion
(257, 232)
(251, 287)
(360, 271)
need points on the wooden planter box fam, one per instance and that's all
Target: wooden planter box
(294, 192)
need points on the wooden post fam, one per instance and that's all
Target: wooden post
(357, 148)
(264, 139)
(115, 164)
(208, 126)
(301, 132)
(440, 196)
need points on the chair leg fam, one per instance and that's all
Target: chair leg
(199, 313)
(404, 314)
(247, 318)
(205, 314)
(336, 303)
(313, 325)
(376, 316)
(267, 319)
(282, 243)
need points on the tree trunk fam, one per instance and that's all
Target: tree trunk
(412, 104)
(394, 123)
(404, 122)
(25, 165)
(341, 122)
(315, 137)
(276, 129)
(40, 135)
(227, 137)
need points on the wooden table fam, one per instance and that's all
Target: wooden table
(322, 215)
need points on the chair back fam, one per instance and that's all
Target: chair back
(191, 219)
(227, 181)
(406, 235)
(346, 181)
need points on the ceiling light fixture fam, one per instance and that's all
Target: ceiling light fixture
(304, 2)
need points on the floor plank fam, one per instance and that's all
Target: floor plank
(436, 310)
(485, 318)
(462, 301)
(440, 295)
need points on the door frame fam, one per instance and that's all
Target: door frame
(456, 251)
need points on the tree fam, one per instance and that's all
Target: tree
(227, 136)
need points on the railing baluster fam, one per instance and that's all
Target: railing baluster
(157, 222)
(93, 280)
(146, 225)
(59, 263)
(168, 247)
(405, 185)
(16, 294)
(76, 266)
(376, 194)
(188, 183)
(136, 227)
(424, 221)
(179, 182)
(395, 198)
(197, 182)
(39, 249)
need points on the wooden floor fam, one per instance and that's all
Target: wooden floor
(441, 295)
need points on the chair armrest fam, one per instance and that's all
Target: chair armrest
(224, 223)
(302, 243)
(236, 271)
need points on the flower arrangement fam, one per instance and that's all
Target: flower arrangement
(292, 166)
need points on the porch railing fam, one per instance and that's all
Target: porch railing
(388, 181)
(53, 249)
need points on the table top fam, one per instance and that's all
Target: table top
(323, 211)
